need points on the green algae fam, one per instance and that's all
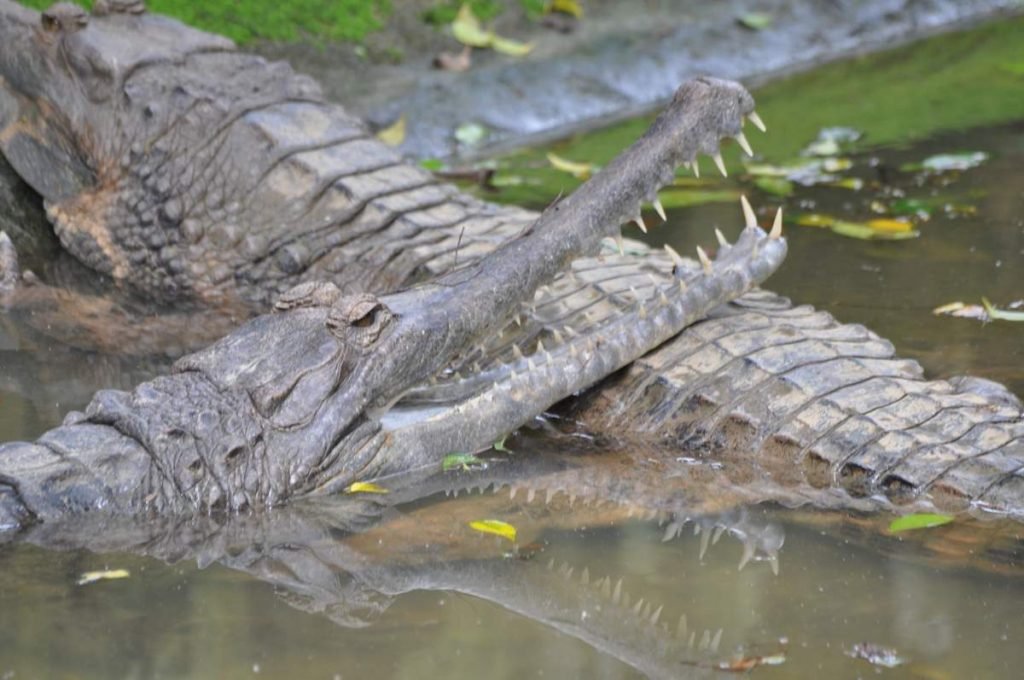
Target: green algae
(277, 20)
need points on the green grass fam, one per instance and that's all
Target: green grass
(281, 20)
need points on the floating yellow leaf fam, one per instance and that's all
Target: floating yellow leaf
(577, 170)
(105, 575)
(961, 310)
(865, 232)
(890, 225)
(467, 29)
(852, 183)
(815, 220)
(496, 527)
(565, 7)
(365, 487)
(394, 134)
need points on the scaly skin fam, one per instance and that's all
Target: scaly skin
(303, 402)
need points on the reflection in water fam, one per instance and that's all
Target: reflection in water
(617, 571)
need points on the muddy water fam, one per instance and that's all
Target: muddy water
(420, 595)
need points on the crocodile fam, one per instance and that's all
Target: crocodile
(414, 321)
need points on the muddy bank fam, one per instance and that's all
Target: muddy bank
(623, 58)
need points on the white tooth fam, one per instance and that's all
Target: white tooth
(682, 286)
(530, 366)
(638, 606)
(716, 640)
(660, 209)
(642, 312)
(640, 223)
(741, 139)
(721, 238)
(695, 168)
(617, 593)
(776, 231)
(547, 356)
(662, 298)
(540, 346)
(512, 491)
(518, 320)
(705, 261)
(518, 353)
(656, 615)
(559, 339)
(720, 164)
(677, 259)
(748, 212)
(756, 120)
(621, 244)
(748, 554)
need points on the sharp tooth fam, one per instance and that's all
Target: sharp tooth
(776, 231)
(721, 238)
(656, 615)
(716, 640)
(642, 312)
(682, 286)
(748, 554)
(638, 606)
(756, 120)
(617, 593)
(518, 320)
(559, 339)
(695, 168)
(720, 164)
(677, 259)
(660, 209)
(540, 346)
(662, 298)
(518, 353)
(621, 244)
(748, 212)
(547, 356)
(640, 223)
(741, 139)
(705, 261)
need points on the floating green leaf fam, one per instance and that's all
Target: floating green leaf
(1001, 314)
(777, 186)
(923, 520)
(461, 461)
(865, 232)
(684, 198)
(496, 527)
(432, 164)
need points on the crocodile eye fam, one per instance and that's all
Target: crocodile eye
(359, 318)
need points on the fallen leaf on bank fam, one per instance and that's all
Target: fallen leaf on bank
(455, 62)
(104, 575)
(921, 520)
(571, 7)
(365, 487)
(577, 170)
(394, 134)
(467, 30)
(495, 527)
(876, 654)
(948, 161)
(471, 134)
(755, 21)
(512, 48)
(461, 461)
